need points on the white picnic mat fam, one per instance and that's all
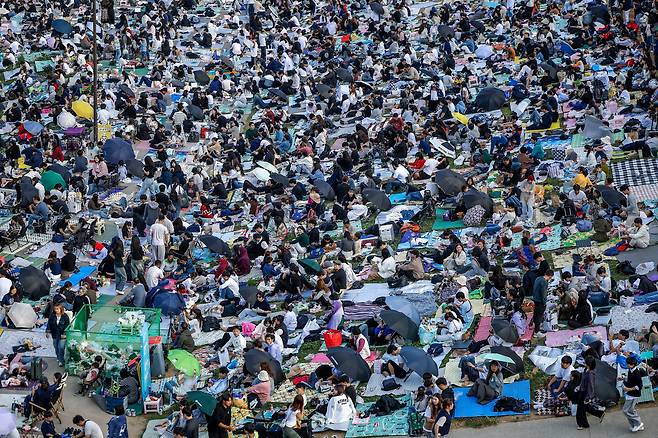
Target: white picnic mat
(374, 387)
(10, 338)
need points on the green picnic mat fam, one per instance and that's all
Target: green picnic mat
(577, 140)
(394, 424)
(104, 299)
(440, 224)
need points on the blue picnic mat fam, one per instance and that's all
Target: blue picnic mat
(397, 198)
(468, 407)
(75, 279)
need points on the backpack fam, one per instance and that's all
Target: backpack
(211, 323)
(626, 268)
(584, 225)
(385, 405)
(510, 404)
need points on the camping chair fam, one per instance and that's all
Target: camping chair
(14, 242)
(56, 404)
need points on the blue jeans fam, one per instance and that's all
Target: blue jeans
(393, 184)
(59, 345)
(120, 277)
(226, 293)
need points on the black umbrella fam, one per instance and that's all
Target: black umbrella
(490, 99)
(324, 90)
(474, 197)
(277, 92)
(344, 75)
(449, 181)
(280, 179)
(377, 8)
(601, 13)
(249, 293)
(505, 330)
(135, 168)
(63, 171)
(378, 198)
(253, 359)
(611, 196)
(550, 70)
(28, 191)
(419, 361)
(201, 77)
(405, 306)
(350, 363)
(506, 351)
(227, 62)
(177, 84)
(400, 323)
(478, 25)
(606, 383)
(195, 112)
(34, 282)
(215, 244)
(446, 31)
(325, 190)
(126, 90)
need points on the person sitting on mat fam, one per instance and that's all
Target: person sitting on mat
(489, 388)
(392, 362)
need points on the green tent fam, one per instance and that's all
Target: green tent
(49, 178)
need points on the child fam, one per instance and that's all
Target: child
(447, 393)
(48, 426)
(443, 419)
(91, 376)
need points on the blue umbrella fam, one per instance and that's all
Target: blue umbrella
(62, 26)
(170, 303)
(33, 128)
(117, 149)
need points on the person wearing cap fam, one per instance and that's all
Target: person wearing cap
(262, 389)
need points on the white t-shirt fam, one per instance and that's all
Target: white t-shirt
(153, 276)
(401, 174)
(93, 430)
(340, 409)
(430, 166)
(564, 373)
(158, 234)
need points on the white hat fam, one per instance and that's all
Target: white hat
(605, 140)
(263, 376)
(461, 280)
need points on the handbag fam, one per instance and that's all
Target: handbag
(390, 384)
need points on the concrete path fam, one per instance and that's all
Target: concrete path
(614, 426)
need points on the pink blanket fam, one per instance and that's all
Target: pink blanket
(483, 329)
(561, 337)
(322, 358)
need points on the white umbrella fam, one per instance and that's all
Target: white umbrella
(261, 174)
(484, 51)
(267, 166)
(7, 422)
(66, 120)
(22, 315)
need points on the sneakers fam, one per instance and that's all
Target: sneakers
(638, 428)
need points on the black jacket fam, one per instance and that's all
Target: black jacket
(55, 329)
(634, 380)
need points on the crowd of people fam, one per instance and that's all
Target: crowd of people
(256, 162)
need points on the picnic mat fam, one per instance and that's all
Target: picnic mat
(630, 317)
(394, 424)
(374, 387)
(440, 224)
(468, 407)
(83, 272)
(10, 338)
(482, 331)
(44, 250)
(562, 337)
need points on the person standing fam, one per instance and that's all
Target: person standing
(159, 238)
(219, 423)
(585, 394)
(539, 297)
(120, 274)
(117, 427)
(57, 324)
(632, 391)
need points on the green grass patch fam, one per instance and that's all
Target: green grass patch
(309, 348)
(477, 422)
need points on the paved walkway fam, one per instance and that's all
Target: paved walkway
(614, 426)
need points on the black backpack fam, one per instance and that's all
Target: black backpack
(211, 323)
(385, 405)
(510, 404)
